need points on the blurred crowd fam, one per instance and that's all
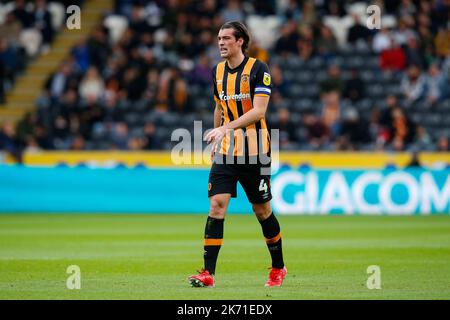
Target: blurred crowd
(148, 59)
(27, 29)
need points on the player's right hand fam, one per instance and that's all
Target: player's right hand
(216, 135)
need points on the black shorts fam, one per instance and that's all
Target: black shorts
(254, 179)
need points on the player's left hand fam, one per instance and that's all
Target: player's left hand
(216, 135)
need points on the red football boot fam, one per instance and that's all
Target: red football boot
(276, 277)
(203, 279)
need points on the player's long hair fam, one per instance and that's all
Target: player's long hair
(240, 32)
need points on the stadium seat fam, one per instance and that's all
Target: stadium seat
(133, 119)
(304, 77)
(320, 75)
(295, 91)
(264, 29)
(375, 91)
(31, 40)
(364, 105)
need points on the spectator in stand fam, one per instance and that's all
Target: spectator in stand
(138, 22)
(135, 143)
(68, 105)
(423, 139)
(180, 95)
(233, 11)
(78, 143)
(443, 144)
(445, 67)
(173, 90)
(354, 88)
(425, 36)
(22, 15)
(305, 49)
(290, 9)
(437, 85)
(120, 136)
(353, 133)
(287, 128)
(334, 81)
(99, 48)
(8, 60)
(10, 29)
(385, 119)
(414, 55)
(43, 22)
(10, 52)
(91, 113)
(318, 133)
(131, 84)
(42, 137)
(81, 55)
(2, 82)
(413, 84)
(403, 130)
(406, 8)
(92, 85)
(31, 145)
(201, 74)
(264, 7)
(394, 58)
(279, 83)
(358, 32)
(331, 113)
(381, 40)
(207, 8)
(440, 13)
(151, 90)
(9, 141)
(289, 37)
(277, 101)
(378, 134)
(151, 141)
(257, 52)
(61, 133)
(309, 15)
(58, 82)
(442, 42)
(305, 43)
(326, 44)
(404, 30)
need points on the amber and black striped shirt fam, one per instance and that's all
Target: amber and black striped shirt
(234, 90)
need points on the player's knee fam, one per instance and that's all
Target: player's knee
(262, 211)
(217, 209)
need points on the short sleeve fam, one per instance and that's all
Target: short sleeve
(263, 81)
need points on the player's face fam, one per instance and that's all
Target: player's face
(228, 45)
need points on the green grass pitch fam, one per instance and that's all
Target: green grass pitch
(151, 256)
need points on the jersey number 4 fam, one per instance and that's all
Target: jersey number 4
(263, 186)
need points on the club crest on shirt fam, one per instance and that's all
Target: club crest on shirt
(266, 79)
(244, 78)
